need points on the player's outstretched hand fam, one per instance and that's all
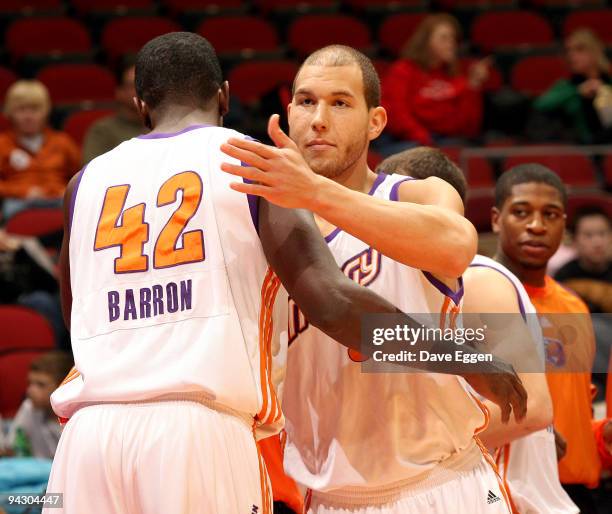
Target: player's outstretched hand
(503, 387)
(280, 174)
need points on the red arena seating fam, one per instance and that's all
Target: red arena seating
(36, 222)
(397, 29)
(75, 83)
(46, 36)
(31, 6)
(78, 123)
(113, 6)
(14, 369)
(210, 6)
(236, 34)
(127, 35)
(478, 210)
(24, 329)
(300, 6)
(574, 169)
(7, 77)
(599, 21)
(534, 75)
(511, 30)
(309, 33)
(250, 80)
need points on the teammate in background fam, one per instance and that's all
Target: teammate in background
(529, 217)
(526, 451)
(371, 442)
(168, 295)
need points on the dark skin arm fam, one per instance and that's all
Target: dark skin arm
(335, 304)
(64, 257)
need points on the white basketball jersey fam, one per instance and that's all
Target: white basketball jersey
(171, 290)
(347, 428)
(529, 464)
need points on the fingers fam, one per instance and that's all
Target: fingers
(246, 156)
(247, 172)
(519, 403)
(264, 151)
(506, 409)
(276, 133)
(250, 189)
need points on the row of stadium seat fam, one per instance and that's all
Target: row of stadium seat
(248, 35)
(87, 7)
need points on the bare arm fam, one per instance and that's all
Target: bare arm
(64, 257)
(425, 230)
(333, 303)
(513, 343)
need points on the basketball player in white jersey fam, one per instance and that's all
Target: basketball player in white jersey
(526, 451)
(168, 295)
(371, 442)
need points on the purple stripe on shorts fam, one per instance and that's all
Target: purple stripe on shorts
(377, 182)
(394, 194)
(444, 289)
(163, 135)
(74, 194)
(518, 295)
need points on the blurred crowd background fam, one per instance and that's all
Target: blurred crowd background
(492, 83)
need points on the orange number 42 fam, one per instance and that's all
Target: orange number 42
(133, 232)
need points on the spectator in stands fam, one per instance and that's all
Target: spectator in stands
(36, 162)
(427, 98)
(590, 276)
(107, 133)
(35, 430)
(574, 98)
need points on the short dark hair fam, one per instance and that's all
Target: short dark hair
(342, 55)
(55, 363)
(177, 67)
(586, 212)
(424, 162)
(523, 174)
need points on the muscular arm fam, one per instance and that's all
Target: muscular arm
(64, 257)
(333, 303)
(512, 343)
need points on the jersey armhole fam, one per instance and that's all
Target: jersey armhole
(394, 193)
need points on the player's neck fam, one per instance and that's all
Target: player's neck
(181, 117)
(535, 277)
(358, 177)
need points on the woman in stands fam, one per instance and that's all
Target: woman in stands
(575, 98)
(427, 97)
(36, 162)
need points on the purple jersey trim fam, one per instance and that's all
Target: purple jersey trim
(73, 199)
(518, 295)
(163, 135)
(380, 178)
(394, 194)
(444, 289)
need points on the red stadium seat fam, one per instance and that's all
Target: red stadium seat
(534, 75)
(210, 7)
(478, 209)
(381, 66)
(568, 4)
(4, 122)
(78, 123)
(84, 7)
(374, 159)
(476, 4)
(311, 32)
(31, 6)
(386, 5)
(36, 222)
(574, 169)
(7, 77)
(397, 29)
(495, 80)
(478, 170)
(76, 83)
(607, 165)
(599, 21)
(249, 81)
(267, 6)
(511, 30)
(578, 200)
(24, 329)
(240, 34)
(14, 369)
(127, 35)
(46, 36)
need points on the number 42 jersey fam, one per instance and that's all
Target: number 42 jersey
(171, 290)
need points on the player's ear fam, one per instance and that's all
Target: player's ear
(495, 219)
(378, 121)
(224, 98)
(143, 110)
